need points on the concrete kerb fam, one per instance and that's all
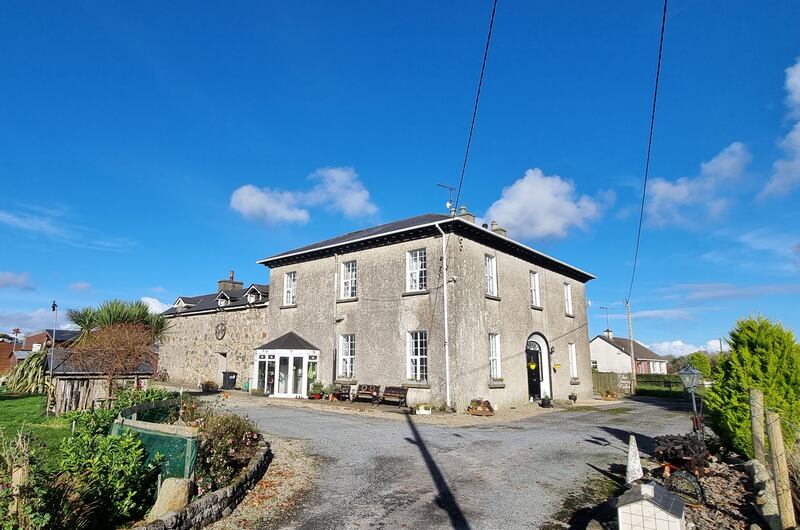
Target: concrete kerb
(217, 504)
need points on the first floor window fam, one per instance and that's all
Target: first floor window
(536, 297)
(573, 361)
(568, 299)
(417, 270)
(594, 365)
(290, 288)
(494, 356)
(417, 366)
(347, 356)
(349, 279)
(490, 274)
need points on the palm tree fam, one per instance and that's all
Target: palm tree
(112, 312)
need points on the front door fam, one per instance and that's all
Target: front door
(538, 367)
(290, 377)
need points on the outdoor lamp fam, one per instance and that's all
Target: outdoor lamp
(690, 376)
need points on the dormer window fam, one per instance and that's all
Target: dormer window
(253, 298)
(222, 302)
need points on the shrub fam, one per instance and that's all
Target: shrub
(763, 355)
(209, 386)
(111, 472)
(701, 362)
(227, 442)
(23, 451)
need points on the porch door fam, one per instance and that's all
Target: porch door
(290, 376)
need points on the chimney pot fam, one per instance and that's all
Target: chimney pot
(609, 334)
(494, 225)
(463, 210)
(231, 276)
(465, 215)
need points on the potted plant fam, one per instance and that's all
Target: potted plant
(316, 390)
(327, 391)
(423, 409)
(209, 386)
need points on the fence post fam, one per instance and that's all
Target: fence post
(780, 470)
(757, 424)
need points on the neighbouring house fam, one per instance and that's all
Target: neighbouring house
(448, 308)
(612, 354)
(214, 333)
(43, 338)
(10, 354)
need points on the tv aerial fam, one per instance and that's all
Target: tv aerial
(450, 189)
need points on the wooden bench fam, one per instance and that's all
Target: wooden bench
(369, 392)
(341, 392)
(397, 394)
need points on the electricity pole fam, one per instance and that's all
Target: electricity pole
(630, 345)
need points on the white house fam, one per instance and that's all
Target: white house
(611, 354)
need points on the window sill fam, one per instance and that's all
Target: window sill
(497, 383)
(346, 300)
(415, 293)
(574, 381)
(569, 315)
(537, 307)
(416, 384)
(344, 381)
(492, 297)
(290, 306)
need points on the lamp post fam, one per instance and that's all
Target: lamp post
(691, 376)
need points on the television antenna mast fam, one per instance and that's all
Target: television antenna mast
(450, 189)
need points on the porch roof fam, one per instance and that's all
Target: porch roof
(289, 341)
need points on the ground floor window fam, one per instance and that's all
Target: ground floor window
(494, 356)
(347, 356)
(417, 348)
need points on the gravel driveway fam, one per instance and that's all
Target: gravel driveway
(387, 473)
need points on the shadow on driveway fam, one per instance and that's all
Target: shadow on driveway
(445, 500)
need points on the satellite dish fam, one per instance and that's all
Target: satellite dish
(449, 205)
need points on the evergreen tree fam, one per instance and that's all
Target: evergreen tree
(763, 355)
(700, 360)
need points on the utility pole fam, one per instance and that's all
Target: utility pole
(606, 310)
(720, 345)
(54, 308)
(630, 346)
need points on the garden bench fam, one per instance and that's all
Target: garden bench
(370, 392)
(341, 392)
(397, 394)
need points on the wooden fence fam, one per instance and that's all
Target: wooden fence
(611, 382)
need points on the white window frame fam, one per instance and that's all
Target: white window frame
(417, 350)
(573, 360)
(347, 356)
(349, 283)
(536, 294)
(495, 368)
(290, 288)
(568, 299)
(417, 270)
(490, 274)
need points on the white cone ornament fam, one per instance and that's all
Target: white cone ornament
(634, 471)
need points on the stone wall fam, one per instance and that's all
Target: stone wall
(190, 352)
(215, 505)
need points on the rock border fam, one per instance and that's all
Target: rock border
(215, 505)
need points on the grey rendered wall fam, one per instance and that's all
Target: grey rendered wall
(473, 316)
(380, 318)
(189, 350)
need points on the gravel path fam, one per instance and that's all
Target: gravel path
(384, 473)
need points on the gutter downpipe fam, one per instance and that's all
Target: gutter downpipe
(446, 328)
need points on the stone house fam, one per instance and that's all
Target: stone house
(612, 354)
(449, 308)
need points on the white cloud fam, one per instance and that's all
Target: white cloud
(700, 292)
(676, 202)
(80, 286)
(338, 189)
(786, 171)
(663, 314)
(157, 289)
(51, 224)
(18, 280)
(31, 320)
(155, 305)
(539, 206)
(676, 348)
(712, 346)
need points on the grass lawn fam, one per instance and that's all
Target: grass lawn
(27, 410)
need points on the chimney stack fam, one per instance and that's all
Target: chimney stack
(497, 229)
(609, 334)
(465, 215)
(229, 284)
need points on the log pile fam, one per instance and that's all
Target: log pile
(678, 452)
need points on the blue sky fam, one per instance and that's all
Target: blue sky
(147, 149)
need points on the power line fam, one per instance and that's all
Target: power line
(649, 148)
(475, 107)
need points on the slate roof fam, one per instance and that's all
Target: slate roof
(208, 302)
(417, 227)
(290, 341)
(662, 498)
(641, 351)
